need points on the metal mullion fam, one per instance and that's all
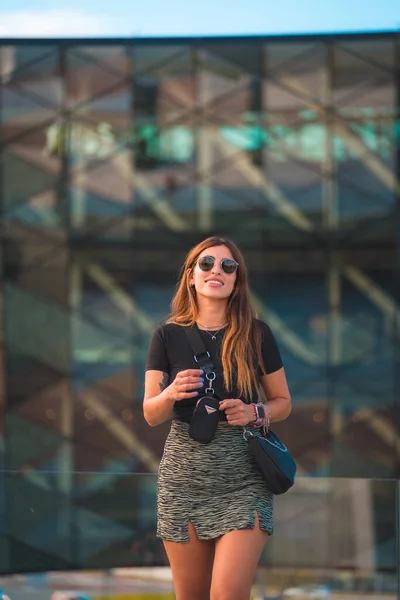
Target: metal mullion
(333, 274)
(397, 535)
(132, 149)
(262, 71)
(67, 417)
(203, 172)
(396, 324)
(3, 412)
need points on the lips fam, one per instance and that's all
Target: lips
(216, 282)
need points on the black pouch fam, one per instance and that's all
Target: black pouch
(205, 419)
(206, 413)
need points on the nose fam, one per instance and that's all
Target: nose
(216, 270)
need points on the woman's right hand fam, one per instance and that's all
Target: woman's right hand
(183, 385)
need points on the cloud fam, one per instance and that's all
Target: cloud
(55, 23)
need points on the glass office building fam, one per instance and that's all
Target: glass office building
(116, 156)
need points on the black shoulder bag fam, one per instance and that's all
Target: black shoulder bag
(206, 414)
(269, 453)
(273, 459)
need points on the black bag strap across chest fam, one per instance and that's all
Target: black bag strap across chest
(201, 355)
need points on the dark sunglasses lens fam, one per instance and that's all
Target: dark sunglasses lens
(229, 266)
(206, 263)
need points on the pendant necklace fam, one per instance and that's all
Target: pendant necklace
(215, 333)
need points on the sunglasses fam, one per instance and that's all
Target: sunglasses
(228, 265)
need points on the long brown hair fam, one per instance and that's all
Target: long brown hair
(241, 348)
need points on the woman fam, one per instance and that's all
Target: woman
(215, 510)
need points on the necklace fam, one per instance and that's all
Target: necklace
(211, 326)
(215, 333)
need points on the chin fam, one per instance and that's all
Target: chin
(217, 294)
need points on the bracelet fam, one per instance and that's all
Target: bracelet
(257, 423)
(267, 418)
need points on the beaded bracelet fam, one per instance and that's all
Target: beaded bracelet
(267, 419)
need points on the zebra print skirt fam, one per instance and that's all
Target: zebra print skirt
(216, 486)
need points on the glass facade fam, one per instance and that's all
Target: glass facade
(115, 158)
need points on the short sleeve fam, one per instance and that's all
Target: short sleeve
(157, 357)
(269, 350)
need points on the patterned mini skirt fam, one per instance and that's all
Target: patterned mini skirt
(216, 486)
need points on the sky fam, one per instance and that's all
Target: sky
(148, 18)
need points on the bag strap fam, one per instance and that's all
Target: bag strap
(201, 356)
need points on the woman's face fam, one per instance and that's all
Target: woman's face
(214, 283)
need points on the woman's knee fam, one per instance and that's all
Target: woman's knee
(230, 591)
(191, 565)
(192, 584)
(191, 591)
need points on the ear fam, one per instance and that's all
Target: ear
(190, 277)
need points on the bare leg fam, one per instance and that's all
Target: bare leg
(236, 558)
(191, 566)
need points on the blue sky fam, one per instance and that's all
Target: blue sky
(54, 18)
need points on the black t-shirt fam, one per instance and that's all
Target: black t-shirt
(170, 352)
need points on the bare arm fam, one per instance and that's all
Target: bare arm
(277, 393)
(157, 406)
(159, 397)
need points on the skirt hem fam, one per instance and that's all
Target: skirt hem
(212, 536)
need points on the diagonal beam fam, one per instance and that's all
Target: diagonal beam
(118, 296)
(123, 164)
(41, 204)
(354, 143)
(382, 427)
(161, 207)
(113, 423)
(121, 432)
(369, 159)
(258, 179)
(285, 333)
(374, 293)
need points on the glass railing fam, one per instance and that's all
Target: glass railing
(93, 535)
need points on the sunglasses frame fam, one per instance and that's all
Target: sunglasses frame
(220, 263)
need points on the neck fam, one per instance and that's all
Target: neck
(212, 314)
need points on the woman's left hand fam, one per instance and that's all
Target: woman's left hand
(237, 412)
